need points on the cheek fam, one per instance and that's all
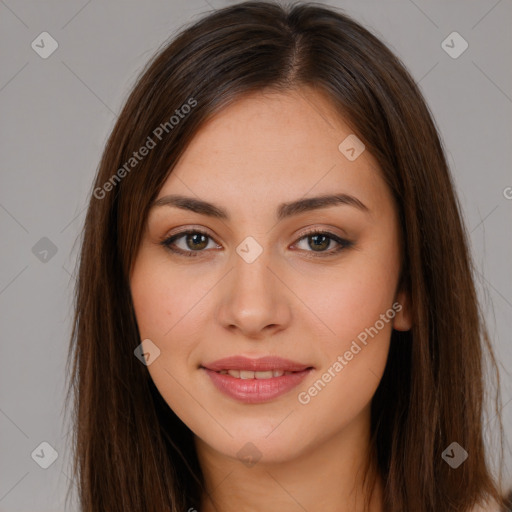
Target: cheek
(164, 297)
(167, 303)
(358, 309)
(172, 310)
(350, 297)
(336, 397)
(352, 360)
(354, 304)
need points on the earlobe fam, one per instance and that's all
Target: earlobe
(403, 317)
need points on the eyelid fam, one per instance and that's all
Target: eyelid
(328, 230)
(190, 229)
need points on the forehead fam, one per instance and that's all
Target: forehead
(269, 147)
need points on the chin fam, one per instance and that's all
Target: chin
(256, 441)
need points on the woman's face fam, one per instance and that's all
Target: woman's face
(258, 284)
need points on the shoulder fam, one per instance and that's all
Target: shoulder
(491, 507)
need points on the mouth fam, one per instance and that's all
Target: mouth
(255, 380)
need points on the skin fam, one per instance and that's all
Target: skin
(263, 150)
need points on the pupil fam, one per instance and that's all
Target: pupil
(320, 245)
(196, 244)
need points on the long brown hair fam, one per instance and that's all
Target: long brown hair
(131, 452)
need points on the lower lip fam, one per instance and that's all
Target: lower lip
(255, 391)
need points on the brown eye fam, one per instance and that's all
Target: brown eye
(194, 242)
(319, 241)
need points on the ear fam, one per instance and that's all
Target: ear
(403, 317)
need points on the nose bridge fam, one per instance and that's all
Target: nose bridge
(252, 299)
(251, 277)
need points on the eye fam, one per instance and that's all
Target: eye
(319, 241)
(194, 241)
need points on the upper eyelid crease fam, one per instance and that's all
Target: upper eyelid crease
(284, 210)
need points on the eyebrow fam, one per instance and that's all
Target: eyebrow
(284, 210)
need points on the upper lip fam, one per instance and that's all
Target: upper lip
(256, 365)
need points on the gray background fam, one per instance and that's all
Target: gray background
(56, 114)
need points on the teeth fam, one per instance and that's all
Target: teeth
(247, 374)
(263, 375)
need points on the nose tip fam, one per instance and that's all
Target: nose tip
(252, 300)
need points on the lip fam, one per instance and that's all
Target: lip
(261, 364)
(254, 391)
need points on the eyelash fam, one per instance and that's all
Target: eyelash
(343, 243)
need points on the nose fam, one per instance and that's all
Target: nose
(253, 299)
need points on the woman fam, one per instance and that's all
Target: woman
(275, 307)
